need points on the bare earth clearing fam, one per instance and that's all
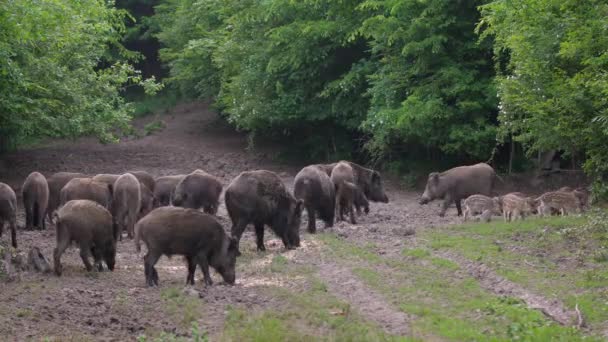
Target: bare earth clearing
(372, 281)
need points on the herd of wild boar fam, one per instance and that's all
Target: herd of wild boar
(165, 213)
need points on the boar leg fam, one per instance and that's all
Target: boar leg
(352, 214)
(62, 245)
(259, 236)
(28, 216)
(237, 231)
(191, 270)
(458, 207)
(85, 250)
(151, 275)
(204, 264)
(466, 213)
(97, 257)
(444, 206)
(312, 224)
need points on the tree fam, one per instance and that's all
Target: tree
(57, 77)
(553, 82)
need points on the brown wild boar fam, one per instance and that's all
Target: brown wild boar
(144, 178)
(198, 190)
(341, 174)
(313, 186)
(199, 237)
(581, 193)
(126, 203)
(514, 206)
(89, 225)
(360, 201)
(8, 211)
(458, 183)
(163, 189)
(86, 188)
(564, 202)
(369, 181)
(481, 204)
(56, 182)
(35, 192)
(350, 197)
(261, 198)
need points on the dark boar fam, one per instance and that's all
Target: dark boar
(458, 183)
(260, 197)
(144, 178)
(360, 201)
(35, 193)
(56, 182)
(199, 237)
(89, 225)
(163, 189)
(86, 188)
(126, 203)
(198, 190)
(313, 186)
(369, 181)
(8, 211)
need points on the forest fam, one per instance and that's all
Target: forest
(394, 82)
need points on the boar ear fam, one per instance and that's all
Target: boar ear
(434, 176)
(375, 176)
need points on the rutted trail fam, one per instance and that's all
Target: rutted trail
(193, 137)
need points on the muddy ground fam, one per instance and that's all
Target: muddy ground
(117, 305)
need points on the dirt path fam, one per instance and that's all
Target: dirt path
(116, 305)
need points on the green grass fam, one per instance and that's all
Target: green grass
(557, 257)
(444, 304)
(307, 311)
(184, 308)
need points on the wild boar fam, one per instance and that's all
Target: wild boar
(346, 198)
(8, 211)
(89, 225)
(163, 189)
(564, 202)
(514, 206)
(261, 198)
(35, 192)
(360, 201)
(481, 204)
(581, 193)
(126, 203)
(86, 188)
(199, 237)
(343, 173)
(369, 181)
(198, 190)
(144, 178)
(457, 183)
(313, 186)
(56, 182)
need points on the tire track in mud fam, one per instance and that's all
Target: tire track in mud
(369, 304)
(489, 280)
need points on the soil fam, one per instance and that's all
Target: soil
(93, 304)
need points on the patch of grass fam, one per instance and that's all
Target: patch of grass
(186, 309)
(24, 313)
(197, 335)
(278, 264)
(445, 305)
(153, 127)
(147, 105)
(556, 257)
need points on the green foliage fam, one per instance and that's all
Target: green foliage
(553, 61)
(325, 73)
(62, 69)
